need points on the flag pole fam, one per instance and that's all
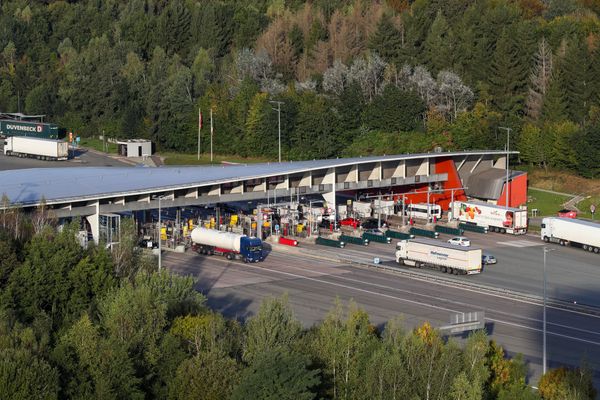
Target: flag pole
(199, 130)
(211, 136)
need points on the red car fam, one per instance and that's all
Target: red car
(567, 214)
(353, 222)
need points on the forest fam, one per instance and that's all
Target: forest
(80, 322)
(356, 77)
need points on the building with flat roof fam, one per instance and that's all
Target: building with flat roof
(135, 147)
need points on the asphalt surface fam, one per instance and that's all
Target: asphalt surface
(312, 280)
(82, 157)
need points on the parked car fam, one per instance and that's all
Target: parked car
(460, 241)
(567, 213)
(353, 222)
(371, 223)
(487, 258)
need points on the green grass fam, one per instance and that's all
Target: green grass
(192, 159)
(547, 203)
(584, 207)
(97, 144)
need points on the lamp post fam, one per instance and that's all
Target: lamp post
(278, 109)
(507, 158)
(544, 358)
(159, 233)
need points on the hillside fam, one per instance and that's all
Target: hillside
(355, 77)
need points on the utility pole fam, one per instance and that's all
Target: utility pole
(507, 162)
(211, 136)
(278, 109)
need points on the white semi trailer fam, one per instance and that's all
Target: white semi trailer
(495, 218)
(445, 257)
(228, 244)
(43, 149)
(565, 231)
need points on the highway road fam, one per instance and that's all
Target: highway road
(313, 281)
(572, 274)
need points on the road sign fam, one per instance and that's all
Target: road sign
(463, 322)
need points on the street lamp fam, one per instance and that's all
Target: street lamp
(507, 160)
(278, 109)
(545, 361)
(159, 233)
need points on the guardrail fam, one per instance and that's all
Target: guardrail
(371, 237)
(398, 235)
(354, 240)
(464, 284)
(448, 230)
(424, 232)
(330, 242)
(473, 228)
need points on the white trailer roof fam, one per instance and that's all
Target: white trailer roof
(574, 221)
(446, 245)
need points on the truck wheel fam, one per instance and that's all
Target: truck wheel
(561, 242)
(456, 271)
(502, 230)
(546, 239)
(444, 270)
(450, 270)
(229, 256)
(596, 250)
(585, 246)
(245, 260)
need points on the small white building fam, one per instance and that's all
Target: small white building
(135, 148)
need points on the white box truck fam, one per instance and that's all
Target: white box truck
(228, 244)
(495, 218)
(445, 257)
(43, 149)
(565, 231)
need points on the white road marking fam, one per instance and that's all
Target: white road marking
(520, 243)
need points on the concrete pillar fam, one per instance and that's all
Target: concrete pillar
(329, 197)
(94, 221)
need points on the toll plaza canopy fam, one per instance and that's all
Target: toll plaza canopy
(28, 187)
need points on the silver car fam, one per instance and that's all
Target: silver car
(487, 259)
(460, 241)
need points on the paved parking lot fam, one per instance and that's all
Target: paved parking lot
(82, 157)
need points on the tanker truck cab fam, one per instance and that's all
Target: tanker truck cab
(251, 249)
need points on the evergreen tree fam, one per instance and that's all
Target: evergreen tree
(554, 106)
(587, 148)
(386, 41)
(575, 69)
(439, 45)
(277, 374)
(395, 110)
(174, 28)
(508, 76)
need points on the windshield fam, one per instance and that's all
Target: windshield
(254, 248)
